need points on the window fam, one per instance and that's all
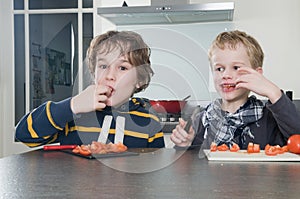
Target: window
(50, 44)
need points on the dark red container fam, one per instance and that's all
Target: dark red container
(168, 106)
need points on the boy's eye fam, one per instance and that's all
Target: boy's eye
(102, 66)
(236, 67)
(123, 68)
(220, 69)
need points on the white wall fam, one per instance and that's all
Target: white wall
(2, 14)
(274, 23)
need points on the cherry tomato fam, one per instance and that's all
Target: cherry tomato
(222, 147)
(234, 147)
(293, 144)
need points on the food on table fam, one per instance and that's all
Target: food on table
(83, 150)
(253, 148)
(222, 147)
(213, 146)
(293, 144)
(274, 150)
(100, 148)
(234, 148)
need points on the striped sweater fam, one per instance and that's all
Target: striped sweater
(54, 122)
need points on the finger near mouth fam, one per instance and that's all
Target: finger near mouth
(109, 92)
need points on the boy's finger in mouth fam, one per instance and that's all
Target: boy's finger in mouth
(109, 91)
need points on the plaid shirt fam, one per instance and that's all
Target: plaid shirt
(225, 126)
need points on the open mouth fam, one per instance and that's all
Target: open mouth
(228, 86)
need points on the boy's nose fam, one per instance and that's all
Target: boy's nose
(110, 73)
(226, 74)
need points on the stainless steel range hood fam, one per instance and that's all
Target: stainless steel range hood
(169, 14)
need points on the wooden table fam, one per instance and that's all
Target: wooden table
(166, 173)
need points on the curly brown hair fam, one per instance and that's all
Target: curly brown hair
(131, 45)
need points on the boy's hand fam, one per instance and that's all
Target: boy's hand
(180, 137)
(92, 98)
(254, 81)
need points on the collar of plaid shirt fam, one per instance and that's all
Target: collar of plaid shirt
(224, 125)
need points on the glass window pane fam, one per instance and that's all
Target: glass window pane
(87, 37)
(19, 67)
(53, 49)
(87, 3)
(52, 4)
(87, 31)
(19, 4)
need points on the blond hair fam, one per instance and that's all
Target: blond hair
(232, 38)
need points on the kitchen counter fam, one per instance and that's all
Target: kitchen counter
(165, 173)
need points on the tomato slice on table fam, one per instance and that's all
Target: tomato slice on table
(83, 150)
(121, 147)
(213, 146)
(222, 147)
(271, 150)
(279, 149)
(253, 148)
(76, 150)
(250, 147)
(285, 148)
(256, 148)
(234, 147)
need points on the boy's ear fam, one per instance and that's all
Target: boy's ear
(138, 85)
(259, 69)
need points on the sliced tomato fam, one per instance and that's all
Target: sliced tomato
(253, 148)
(213, 146)
(271, 150)
(256, 148)
(76, 150)
(234, 147)
(285, 148)
(222, 147)
(121, 147)
(84, 150)
(250, 148)
(274, 150)
(267, 147)
(279, 149)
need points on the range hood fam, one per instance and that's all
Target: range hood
(169, 14)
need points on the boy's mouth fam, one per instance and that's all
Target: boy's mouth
(110, 92)
(228, 86)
